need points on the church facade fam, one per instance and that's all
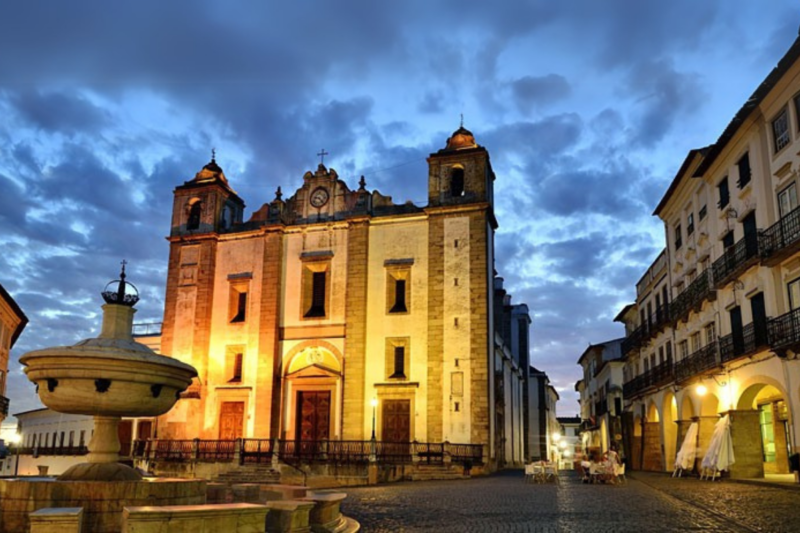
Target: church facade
(338, 314)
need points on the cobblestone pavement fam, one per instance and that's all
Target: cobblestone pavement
(503, 503)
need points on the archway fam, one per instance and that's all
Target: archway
(312, 393)
(670, 428)
(767, 401)
(652, 445)
(687, 407)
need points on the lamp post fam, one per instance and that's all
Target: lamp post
(374, 406)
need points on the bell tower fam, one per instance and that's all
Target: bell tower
(206, 204)
(460, 173)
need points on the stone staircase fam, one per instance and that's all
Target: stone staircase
(258, 473)
(437, 472)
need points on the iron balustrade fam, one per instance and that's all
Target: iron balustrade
(295, 452)
(634, 340)
(146, 329)
(745, 342)
(784, 331)
(53, 450)
(655, 377)
(693, 296)
(735, 260)
(4, 403)
(781, 235)
(601, 407)
(697, 362)
(256, 451)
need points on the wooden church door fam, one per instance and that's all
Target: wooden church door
(231, 420)
(313, 415)
(396, 421)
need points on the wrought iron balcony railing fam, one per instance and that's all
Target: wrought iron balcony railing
(782, 238)
(784, 331)
(697, 363)
(745, 342)
(655, 377)
(735, 260)
(692, 297)
(635, 340)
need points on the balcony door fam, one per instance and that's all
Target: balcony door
(759, 318)
(737, 330)
(750, 234)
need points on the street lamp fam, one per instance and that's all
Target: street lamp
(374, 405)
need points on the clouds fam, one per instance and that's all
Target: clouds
(587, 108)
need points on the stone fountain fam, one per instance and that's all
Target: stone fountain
(107, 377)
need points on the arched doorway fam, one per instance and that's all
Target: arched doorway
(313, 388)
(652, 456)
(767, 401)
(670, 428)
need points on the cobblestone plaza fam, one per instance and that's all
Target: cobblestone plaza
(503, 503)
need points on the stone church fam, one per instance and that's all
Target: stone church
(338, 314)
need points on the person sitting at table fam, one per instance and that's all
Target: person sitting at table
(612, 457)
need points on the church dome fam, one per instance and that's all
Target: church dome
(461, 139)
(211, 172)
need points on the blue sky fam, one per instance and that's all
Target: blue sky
(587, 108)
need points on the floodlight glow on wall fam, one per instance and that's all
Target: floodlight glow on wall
(701, 390)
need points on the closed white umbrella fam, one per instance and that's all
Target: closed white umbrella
(719, 455)
(684, 459)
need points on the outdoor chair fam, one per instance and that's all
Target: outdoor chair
(620, 471)
(551, 472)
(530, 473)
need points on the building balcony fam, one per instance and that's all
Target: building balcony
(735, 260)
(4, 403)
(601, 407)
(697, 363)
(749, 340)
(692, 298)
(54, 450)
(784, 332)
(635, 340)
(655, 377)
(781, 240)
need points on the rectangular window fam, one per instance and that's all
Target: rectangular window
(234, 358)
(695, 342)
(787, 200)
(702, 213)
(794, 294)
(660, 355)
(397, 358)
(684, 348)
(727, 240)
(744, 170)
(724, 193)
(318, 291)
(690, 224)
(398, 285)
(797, 109)
(82, 438)
(669, 352)
(711, 334)
(780, 131)
(237, 303)
(678, 237)
(399, 362)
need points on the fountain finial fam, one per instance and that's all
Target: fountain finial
(121, 296)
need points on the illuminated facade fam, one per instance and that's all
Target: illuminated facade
(715, 328)
(300, 317)
(12, 322)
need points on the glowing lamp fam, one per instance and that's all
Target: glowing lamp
(701, 390)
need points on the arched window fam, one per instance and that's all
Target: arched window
(194, 216)
(457, 182)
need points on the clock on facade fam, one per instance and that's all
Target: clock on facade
(319, 197)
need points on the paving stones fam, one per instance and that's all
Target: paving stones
(503, 503)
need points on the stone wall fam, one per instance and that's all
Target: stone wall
(652, 454)
(746, 435)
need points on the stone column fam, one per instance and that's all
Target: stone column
(705, 431)
(652, 455)
(746, 435)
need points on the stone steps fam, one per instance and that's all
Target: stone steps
(250, 474)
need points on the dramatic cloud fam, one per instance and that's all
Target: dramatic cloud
(588, 109)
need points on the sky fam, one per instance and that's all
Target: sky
(587, 108)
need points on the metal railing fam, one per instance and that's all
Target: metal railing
(634, 340)
(735, 260)
(248, 451)
(747, 341)
(147, 329)
(658, 375)
(784, 330)
(693, 296)
(781, 235)
(53, 450)
(697, 362)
